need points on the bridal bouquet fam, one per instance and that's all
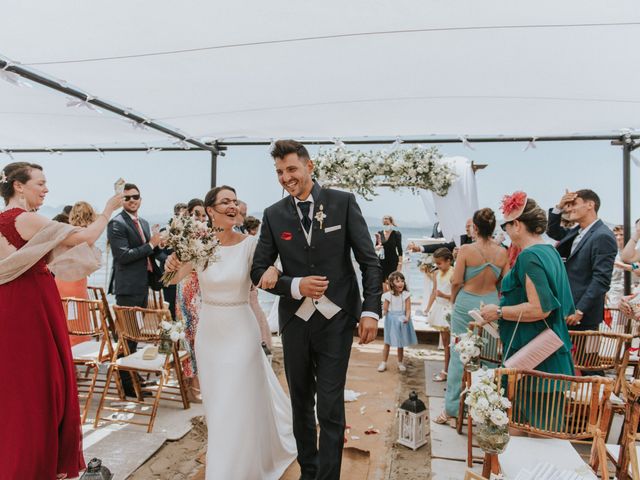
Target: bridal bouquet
(192, 241)
(468, 346)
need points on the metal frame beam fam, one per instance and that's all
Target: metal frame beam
(72, 92)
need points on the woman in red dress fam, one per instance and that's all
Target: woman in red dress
(41, 436)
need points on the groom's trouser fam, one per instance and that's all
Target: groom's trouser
(316, 356)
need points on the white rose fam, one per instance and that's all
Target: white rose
(165, 325)
(464, 358)
(499, 418)
(175, 336)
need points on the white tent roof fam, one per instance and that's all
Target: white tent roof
(320, 70)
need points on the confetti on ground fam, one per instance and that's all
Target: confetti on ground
(362, 410)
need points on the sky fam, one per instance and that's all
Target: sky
(165, 178)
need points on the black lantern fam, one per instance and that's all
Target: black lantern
(95, 471)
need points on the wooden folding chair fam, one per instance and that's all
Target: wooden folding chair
(142, 325)
(595, 351)
(98, 293)
(85, 318)
(469, 475)
(625, 454)
(562, 409)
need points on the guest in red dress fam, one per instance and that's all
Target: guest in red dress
(41, 436)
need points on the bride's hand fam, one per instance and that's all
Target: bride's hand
(172, 264)
(269, 278)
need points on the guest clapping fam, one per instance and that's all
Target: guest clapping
(536, 294)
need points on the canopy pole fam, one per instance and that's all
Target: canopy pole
(214, 168)
(627, 145)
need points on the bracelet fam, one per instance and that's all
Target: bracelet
(105, 216)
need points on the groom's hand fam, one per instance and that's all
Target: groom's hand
(367, 330)
(313, 286)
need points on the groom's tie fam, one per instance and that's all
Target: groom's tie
(304, 209)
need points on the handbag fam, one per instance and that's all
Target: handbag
(536, 351)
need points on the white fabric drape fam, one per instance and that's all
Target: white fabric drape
(460, 202)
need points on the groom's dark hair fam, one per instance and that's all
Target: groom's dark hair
(284, 147)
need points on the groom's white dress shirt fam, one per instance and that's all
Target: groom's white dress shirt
(325, 306)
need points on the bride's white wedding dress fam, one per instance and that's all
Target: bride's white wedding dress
(248, 413)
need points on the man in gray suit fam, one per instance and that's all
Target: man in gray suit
(588, 250)
(134, 268)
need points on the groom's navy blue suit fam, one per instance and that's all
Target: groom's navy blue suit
(316, 351)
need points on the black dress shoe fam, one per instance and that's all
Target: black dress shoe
(134, 395)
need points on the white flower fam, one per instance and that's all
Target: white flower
(464, 358)
(175, 336)
(165, 325)
(499, 418)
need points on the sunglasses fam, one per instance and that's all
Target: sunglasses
(504, 225)
(131, 197)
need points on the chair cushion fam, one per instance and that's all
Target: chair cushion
(557, 452)
(135, 360)
(88, 350)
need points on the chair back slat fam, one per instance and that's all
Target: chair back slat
(84, 317)
(491, 352)
(597, 350)
(156, 299)
(558, 406)
(140, 324)
(98, 293)
(618, 322)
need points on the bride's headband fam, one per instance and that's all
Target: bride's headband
(513, 205)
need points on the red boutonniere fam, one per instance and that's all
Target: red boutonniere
(286, 236)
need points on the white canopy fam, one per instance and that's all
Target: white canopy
(320, 70)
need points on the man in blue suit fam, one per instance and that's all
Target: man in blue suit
(588, 250)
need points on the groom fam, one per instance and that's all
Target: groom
(314, 230)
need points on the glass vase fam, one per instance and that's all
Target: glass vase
(492, 438)
(473, 364)
(166, 344)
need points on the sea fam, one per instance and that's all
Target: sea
(415, 278)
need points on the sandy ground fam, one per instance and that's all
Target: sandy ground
(373, 456)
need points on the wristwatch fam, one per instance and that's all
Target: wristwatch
(499, 313)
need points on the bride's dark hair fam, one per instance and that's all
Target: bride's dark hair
(211, 197)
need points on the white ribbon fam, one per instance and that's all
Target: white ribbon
(531, 144)
(77, 102)
(8, 153)
(52, 151)
(465, 142)
(98, 150)
(183, 144)
(13, 78)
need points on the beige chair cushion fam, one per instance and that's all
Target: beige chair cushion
(560, 453)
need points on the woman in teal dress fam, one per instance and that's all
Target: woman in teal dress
(479, 267)
(536, 291)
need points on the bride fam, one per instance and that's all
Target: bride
(248, 414)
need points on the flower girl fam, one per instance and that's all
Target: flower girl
(398, 328)
(439, 306)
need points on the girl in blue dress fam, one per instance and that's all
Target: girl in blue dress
(398, 328)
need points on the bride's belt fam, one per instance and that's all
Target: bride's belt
(225, 304)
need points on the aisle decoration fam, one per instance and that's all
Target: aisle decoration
(468, 346)
(170, 332)
(362, 172)
(192, 241)
(488, 408)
